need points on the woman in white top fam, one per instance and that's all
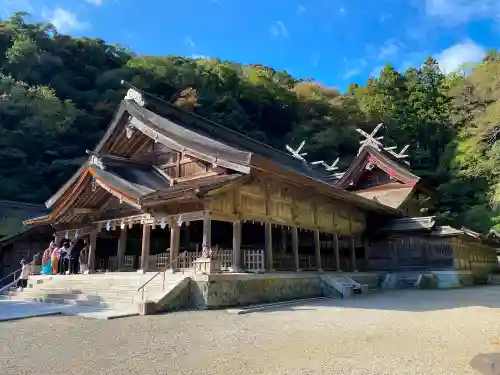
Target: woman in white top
(25, 272)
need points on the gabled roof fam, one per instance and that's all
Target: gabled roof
(381, 159)
(198, 137)
(427, 225)
(410, 224)
(13, 213)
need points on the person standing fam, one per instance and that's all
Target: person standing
(54, 258)
(64, 258)
(22, 282)
(74, 256)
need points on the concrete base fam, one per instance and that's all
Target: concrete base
(227, 290)
(147, 308)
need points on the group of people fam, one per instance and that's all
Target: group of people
(67, 257)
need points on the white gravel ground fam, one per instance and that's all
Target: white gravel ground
(403, 332)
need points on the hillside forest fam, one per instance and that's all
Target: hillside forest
(58, 94)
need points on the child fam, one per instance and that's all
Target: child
(25, 271)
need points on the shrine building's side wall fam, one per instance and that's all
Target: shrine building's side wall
(266, 199)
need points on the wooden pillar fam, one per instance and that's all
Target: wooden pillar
(353, 253)
(207, 232)
(237, 246)
(92, 251)
(122, 246)
(187, 236)
(269, 247)
(336, 251)
(317, 249)
(284, 237)
(146, 244)
(295, 247)
(175, 236)
(367, 253)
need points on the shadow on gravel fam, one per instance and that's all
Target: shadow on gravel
(408, 300)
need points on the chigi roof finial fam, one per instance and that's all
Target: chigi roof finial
(296, 152)
(329, 168)
(370, 139)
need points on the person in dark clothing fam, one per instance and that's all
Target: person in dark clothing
(64, 258)
(74, 255)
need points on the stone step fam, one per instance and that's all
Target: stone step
(80, 297)
(97, 304)
(69, 294)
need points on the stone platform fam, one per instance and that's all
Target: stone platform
(240, 289)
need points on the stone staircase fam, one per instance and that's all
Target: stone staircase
(409, 280)
(117, 291)
(344, 285)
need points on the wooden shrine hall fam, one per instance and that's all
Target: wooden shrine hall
(164, 186)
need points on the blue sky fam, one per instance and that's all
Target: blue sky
(333, 41)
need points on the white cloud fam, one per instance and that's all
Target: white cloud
(279, 29)
(8, 7)
(461, 11)
(376, 71)
(389, 49)
(189, 42)
(95, 2)
(64, 20)
(301, 9)
(196, 56)
(354, 68)
(453, 57)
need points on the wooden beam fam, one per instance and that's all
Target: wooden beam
(84, 211)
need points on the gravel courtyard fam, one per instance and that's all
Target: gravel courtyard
(401, 332)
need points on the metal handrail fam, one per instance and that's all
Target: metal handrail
(183, 254)
(14, 272)
(10, 274)
(14, 279)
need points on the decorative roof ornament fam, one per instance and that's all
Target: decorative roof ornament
(329, 168)
(163, 224)
(136, 96)
(122, 225)
(179, 221)
(399, 155)
(370, 139)
(296, 153)
(97, 161)
(108, 226)
(76, 234)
